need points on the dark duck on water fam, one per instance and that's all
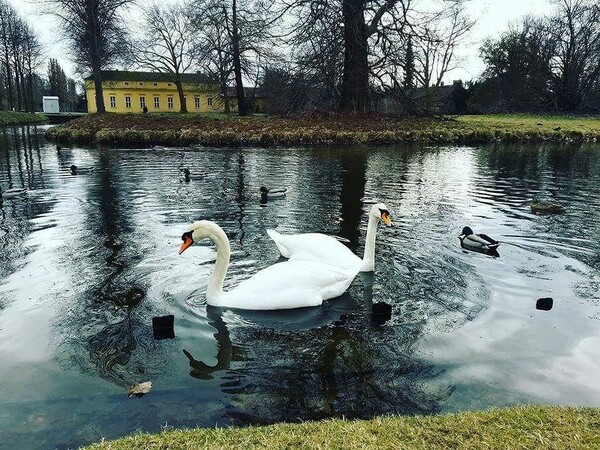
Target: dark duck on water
(481, 243)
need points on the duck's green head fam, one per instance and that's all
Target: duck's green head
(466, 231)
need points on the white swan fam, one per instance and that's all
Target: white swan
(328, 250)
(284, 285)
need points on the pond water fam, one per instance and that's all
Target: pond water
(87, 261)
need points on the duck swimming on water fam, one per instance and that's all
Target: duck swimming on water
(481, 243)
(10, 193)
(80, 170)
(546, 207)
(187, 175)
(273, 192)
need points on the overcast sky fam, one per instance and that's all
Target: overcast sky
(494, 17)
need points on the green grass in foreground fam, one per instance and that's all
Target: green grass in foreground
(524, 427)
(18, 118)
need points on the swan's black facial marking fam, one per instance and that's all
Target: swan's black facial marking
(263, 190)
(385, 216)
(187, 239)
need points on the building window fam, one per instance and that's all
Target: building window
(170, 102)
(156, 102)
(197, 102)
(155, 84)
(169, 84)
(140, 83)
(128, 101)
(127, 83)
(113, 101)
(142, 102)
(209, 101)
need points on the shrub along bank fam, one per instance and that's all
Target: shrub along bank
(222, 130)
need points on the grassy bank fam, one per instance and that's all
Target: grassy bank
(218, 129)
(530, 427)
(20, 118)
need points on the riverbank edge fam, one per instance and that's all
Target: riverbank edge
(137, 130)
(20, 118)
(543, 427)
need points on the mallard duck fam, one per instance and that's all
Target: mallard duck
(187, 175)
(272, 193)
(327, 249)
(80, 170)
(543, 207)
(285, 285)
(10, 193)
(478, 242)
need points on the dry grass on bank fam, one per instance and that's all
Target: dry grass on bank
(222, 130)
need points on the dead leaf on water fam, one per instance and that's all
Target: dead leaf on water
(139, 389)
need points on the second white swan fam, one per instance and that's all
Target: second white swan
(326, 249)
(286, 285)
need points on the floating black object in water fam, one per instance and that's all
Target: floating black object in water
(162, 327)
(381, 312)
(544, 304)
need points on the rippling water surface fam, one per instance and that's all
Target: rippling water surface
(86, 261)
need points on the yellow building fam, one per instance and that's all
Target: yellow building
(129, 92)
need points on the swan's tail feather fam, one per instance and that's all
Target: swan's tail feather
(278, 238)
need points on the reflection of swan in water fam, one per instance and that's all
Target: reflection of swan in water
(349, 367)
(285, 285)
(283, 320)
(326, 249)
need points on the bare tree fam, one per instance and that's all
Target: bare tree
(96, 34)
(576, 30)
(166, 44)
(238, 38)
(20, 57)
(211, 23)
(437, 39)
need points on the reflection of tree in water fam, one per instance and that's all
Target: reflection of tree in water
(18, 167)
(349, 368)
(110, 319)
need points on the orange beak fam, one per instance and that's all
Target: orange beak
(386, 219)
(187, 242)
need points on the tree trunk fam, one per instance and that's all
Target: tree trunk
(223, 82)
(92, 23)
(182, 101)
(9, 85)
(237, 66)
(355, 80)
(100, 107)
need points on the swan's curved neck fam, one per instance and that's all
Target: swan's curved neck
(369, 255)
(215, 281)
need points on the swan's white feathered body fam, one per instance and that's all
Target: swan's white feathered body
(286, 285)
(315, 247)
(328, 250)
